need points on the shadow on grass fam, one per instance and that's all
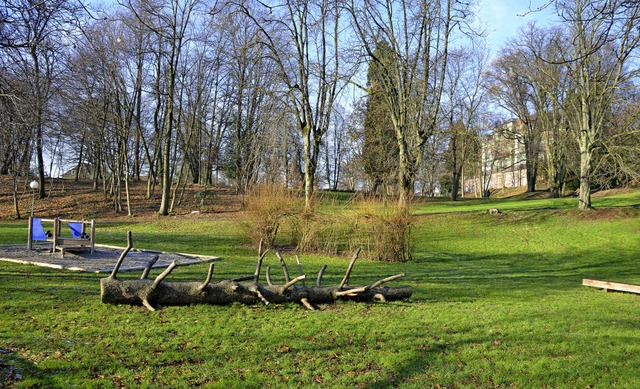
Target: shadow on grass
(547, 307)
(466, 277)
(15, 370)
(504, 360)
(454, 280)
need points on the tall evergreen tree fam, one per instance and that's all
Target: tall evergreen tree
(380, 149)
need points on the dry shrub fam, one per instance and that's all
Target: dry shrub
(267, 208)
(313, 232)
(383, 230)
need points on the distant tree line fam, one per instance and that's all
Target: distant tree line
(386, 96)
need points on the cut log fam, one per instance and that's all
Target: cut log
(157, 292)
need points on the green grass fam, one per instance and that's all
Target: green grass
(480, 204)
(497, 302)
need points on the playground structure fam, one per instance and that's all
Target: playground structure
(82, 234)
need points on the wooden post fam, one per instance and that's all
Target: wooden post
(30, 242)
(56, 234)
(93, 234)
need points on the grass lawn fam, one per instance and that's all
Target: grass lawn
(497, 302)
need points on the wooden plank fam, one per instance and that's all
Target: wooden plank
(607, 285)
(73, 242)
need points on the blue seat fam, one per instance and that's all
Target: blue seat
(37, 231)
(76, 230)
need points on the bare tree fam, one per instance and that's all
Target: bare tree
(551, 83)
(419, 35)
(619, 161)
(303, 38)
(253, 86)
(466, 94)
(15, 134)
(201, 68)
(168, 20)
(335, 145)
(33, 35)
(109, 70)
(602, 36)
(432, 164)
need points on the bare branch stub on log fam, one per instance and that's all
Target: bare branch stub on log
(158, 292)
(208, 279)
(147, 268)
(320, 274)
(345, 280)
(122, 256)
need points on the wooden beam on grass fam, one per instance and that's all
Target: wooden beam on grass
(607, 286)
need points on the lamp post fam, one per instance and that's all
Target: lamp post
(33, 185)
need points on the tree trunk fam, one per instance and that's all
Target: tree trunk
(38, 86)
(455, 185)
(154, 293)
(16, 206)
(126, 184)
(405, 173)
(136, 292)
(455, 175)
(585, 143)
(406, 186)
(531, 163)
(585, 170)
(80, 157)
(309, 168)
(531, 177)
(552, 173)
(166, 160)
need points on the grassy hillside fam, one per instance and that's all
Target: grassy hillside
(498, 302)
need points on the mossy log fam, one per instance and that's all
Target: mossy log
(157, 292)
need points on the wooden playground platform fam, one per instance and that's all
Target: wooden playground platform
(82, 234)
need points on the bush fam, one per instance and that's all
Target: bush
(326, 234)
(267, 208)
(383, 230)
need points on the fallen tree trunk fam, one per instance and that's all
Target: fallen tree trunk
(136, 292)
(157, 292)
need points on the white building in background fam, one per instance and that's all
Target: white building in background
(503, 161)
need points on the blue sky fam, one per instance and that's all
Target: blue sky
(503, 18)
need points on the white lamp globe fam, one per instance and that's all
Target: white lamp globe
(34, 184)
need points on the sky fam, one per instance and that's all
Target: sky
(503, 18)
